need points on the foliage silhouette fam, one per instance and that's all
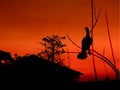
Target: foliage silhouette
(54, 48)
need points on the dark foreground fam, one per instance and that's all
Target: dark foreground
(101, 85)
(35, 73)
(51, 84)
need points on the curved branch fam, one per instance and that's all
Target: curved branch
(105, 58)
(73, 42)
(99, 56)
(109, 63)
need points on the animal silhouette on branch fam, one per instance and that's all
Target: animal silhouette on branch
(86, 43)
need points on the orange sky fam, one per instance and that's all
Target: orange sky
(24, 22)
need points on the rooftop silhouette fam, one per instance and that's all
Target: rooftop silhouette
(33, 70)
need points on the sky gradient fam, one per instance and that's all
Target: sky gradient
(23, 23)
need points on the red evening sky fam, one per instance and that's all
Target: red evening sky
(25, 22)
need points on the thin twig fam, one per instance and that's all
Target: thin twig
(105, 64)
(110, 42)
(72, 41)
(109, 63)
(104, 59)
(96, 20)
(110, 39)
(98, 55)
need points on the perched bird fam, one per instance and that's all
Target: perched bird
(86, 42)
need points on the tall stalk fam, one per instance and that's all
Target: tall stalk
(105, 65)
(98, 55)
(110, 40)
(111, 44)
(94, 68)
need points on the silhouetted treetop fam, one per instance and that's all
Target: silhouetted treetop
(53, 48)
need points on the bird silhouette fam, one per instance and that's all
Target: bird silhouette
(86, 42)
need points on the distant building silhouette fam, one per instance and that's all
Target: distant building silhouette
(5, 57)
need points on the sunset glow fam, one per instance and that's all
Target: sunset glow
(23, 23)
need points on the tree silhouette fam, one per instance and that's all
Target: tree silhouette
(53, 48)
